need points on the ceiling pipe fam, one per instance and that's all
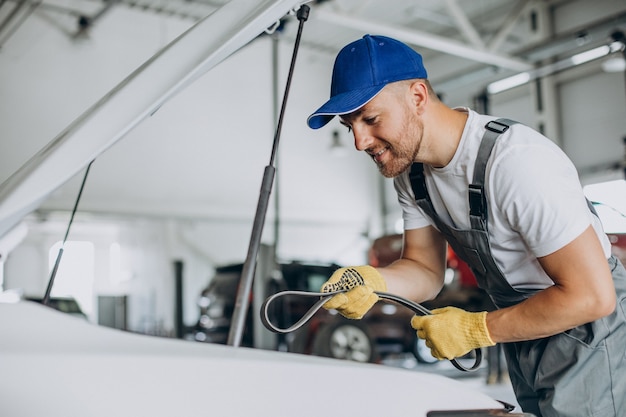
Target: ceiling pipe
(426, 40)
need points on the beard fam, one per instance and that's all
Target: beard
(397, 164)
(404, 153)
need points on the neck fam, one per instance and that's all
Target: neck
(443, 128)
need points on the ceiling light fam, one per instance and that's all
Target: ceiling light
(590, 55)
(508, 83)
(581, 58)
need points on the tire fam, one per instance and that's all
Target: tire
(341, 340)
(422, 352)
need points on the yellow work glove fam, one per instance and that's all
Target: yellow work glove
(451, 332)
(361, 282)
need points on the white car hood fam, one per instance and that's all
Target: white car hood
(54, 364)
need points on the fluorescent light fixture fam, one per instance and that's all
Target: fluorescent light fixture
(524, 77)
(508, 83)
(590, 55)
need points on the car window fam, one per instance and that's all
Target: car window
(224, 284)
(315, 281)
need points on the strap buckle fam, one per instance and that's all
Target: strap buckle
(476, 200)
(497, 127)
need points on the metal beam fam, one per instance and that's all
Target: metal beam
(509, 24)
(15, 18)
(426, 40)
(466, 27)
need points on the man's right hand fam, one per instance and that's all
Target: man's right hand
(359, 282)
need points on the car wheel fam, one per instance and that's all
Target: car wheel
(341, 340)
(422, 352)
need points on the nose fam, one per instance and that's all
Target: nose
(362, 138)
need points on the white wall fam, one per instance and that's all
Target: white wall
(594, 119)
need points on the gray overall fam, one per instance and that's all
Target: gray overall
(580, 372)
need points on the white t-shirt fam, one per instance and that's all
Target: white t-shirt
(534, 196)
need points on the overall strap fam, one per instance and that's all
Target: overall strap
(476, 194)
(477, 199)
(418, 181)
(422, 198)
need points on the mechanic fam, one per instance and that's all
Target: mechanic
(511, 205)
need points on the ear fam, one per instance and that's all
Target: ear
(419, 95)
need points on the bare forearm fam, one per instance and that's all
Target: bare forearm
(583, 292)
(549, 312)
(418, 274)
(411, 280)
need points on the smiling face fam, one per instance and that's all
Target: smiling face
(389, 129)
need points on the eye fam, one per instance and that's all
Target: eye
(370, 120)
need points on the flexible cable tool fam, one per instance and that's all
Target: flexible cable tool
(324, 297)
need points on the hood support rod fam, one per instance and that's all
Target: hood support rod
(247, 276)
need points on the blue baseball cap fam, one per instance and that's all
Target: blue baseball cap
(362, 69)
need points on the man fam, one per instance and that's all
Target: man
(510, 204)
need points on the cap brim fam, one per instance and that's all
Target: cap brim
(342, 104)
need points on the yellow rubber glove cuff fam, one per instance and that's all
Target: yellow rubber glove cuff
(451, 332)
(360, 282)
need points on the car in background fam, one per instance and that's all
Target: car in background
(385, 328)
(67, 305)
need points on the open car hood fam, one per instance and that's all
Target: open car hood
(168, 72)
(54, 364)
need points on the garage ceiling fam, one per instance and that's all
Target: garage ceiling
(478, 40)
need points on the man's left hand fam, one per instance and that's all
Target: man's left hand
(451, 332)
